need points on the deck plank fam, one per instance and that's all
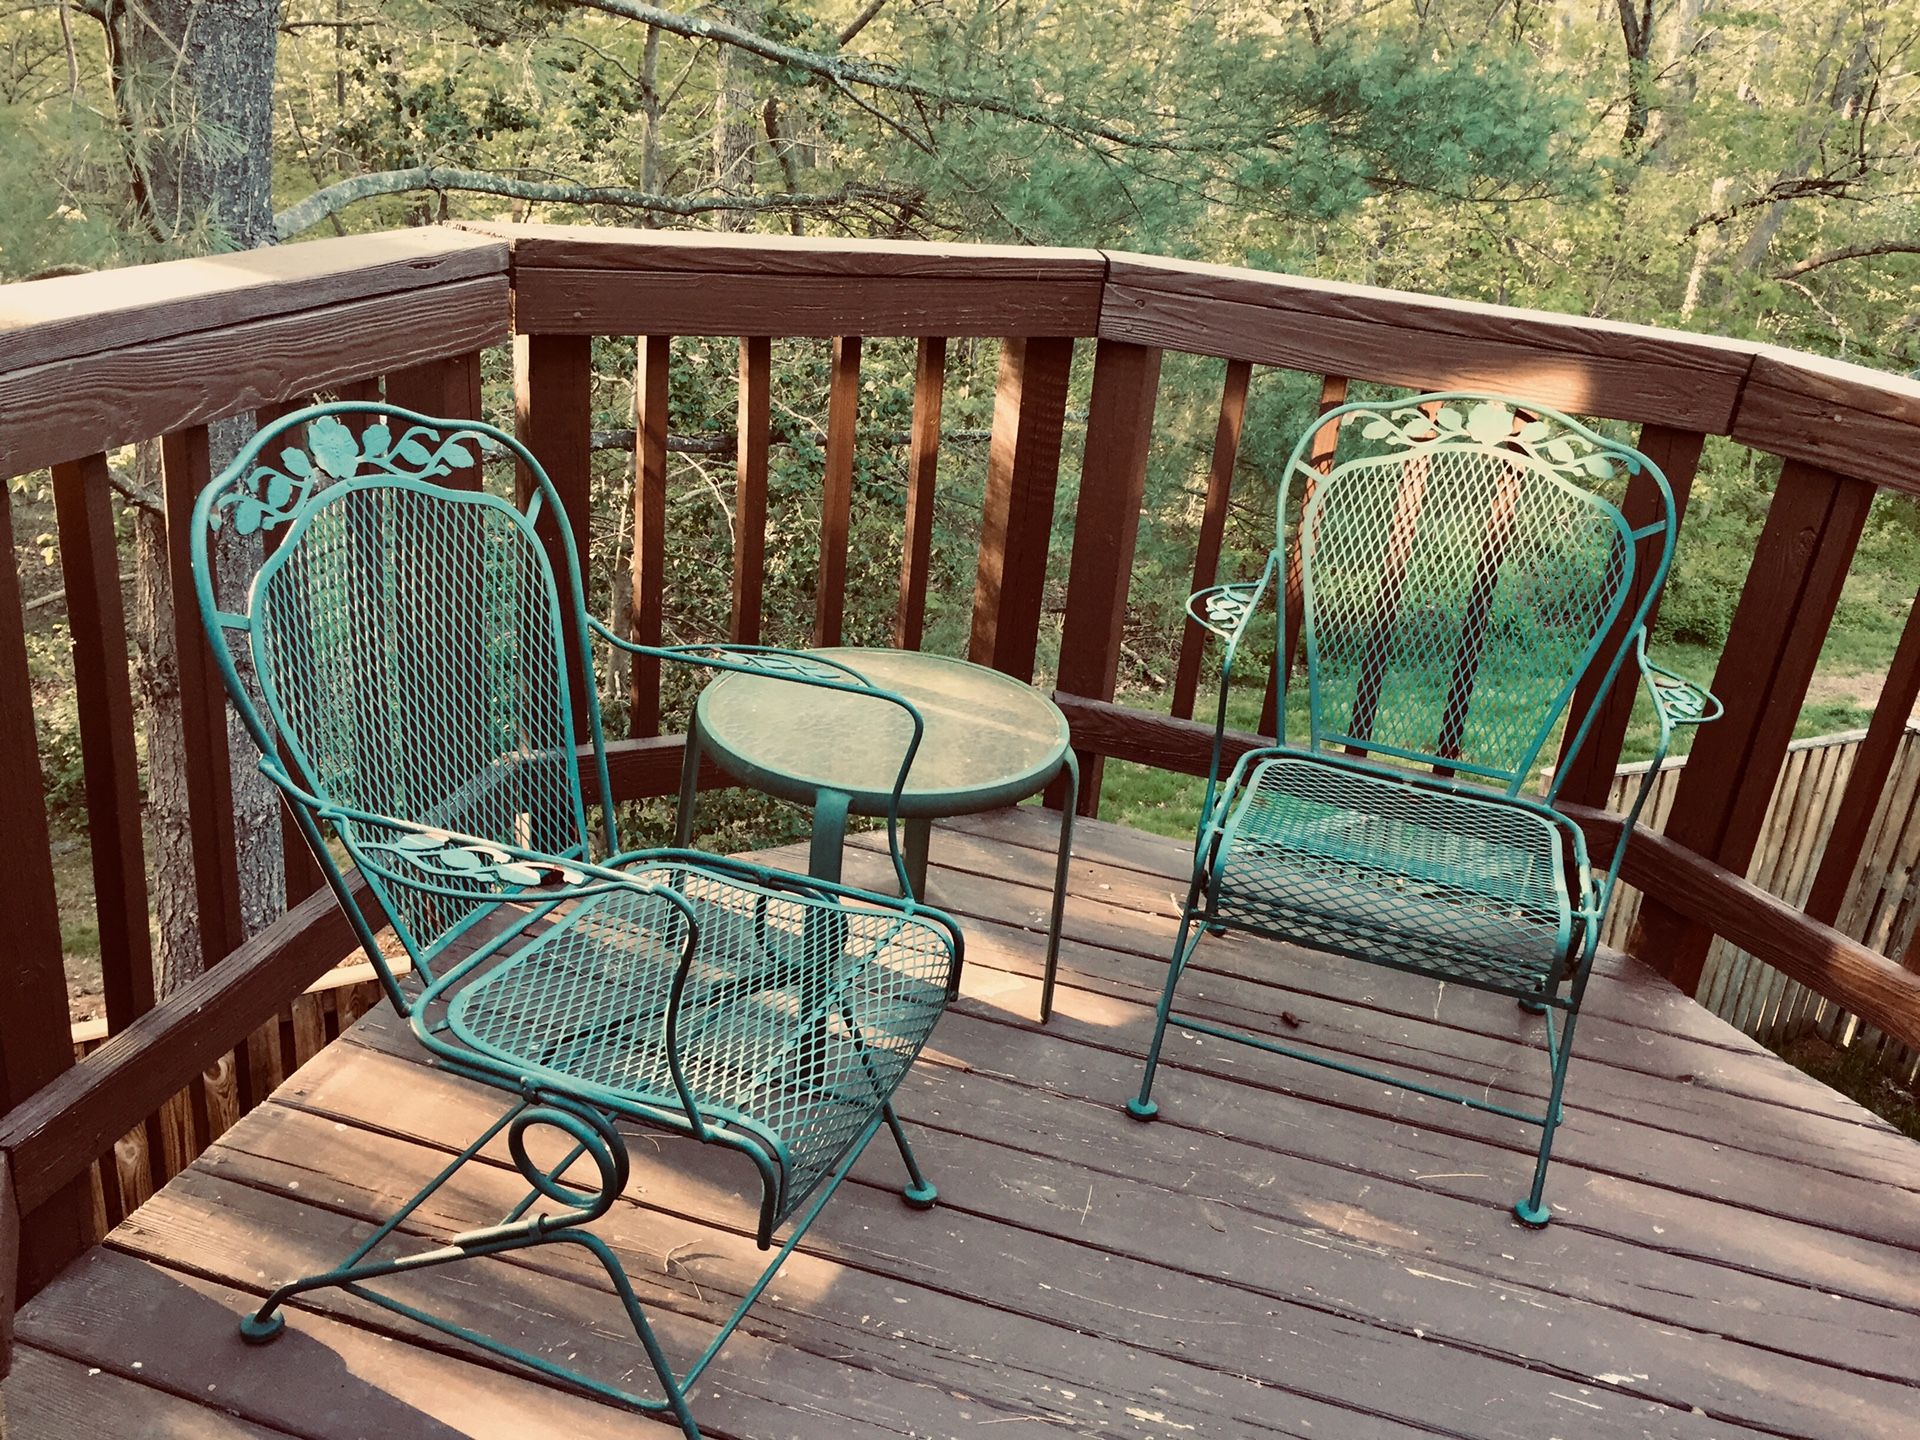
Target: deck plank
(1287, 1252)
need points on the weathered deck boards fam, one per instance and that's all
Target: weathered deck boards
(1286, 1252)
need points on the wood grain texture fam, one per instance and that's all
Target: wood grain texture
(923, 465)
(1113, 481)
(9, 1264)
(836, 491)
(446, 389)
(1213, 529)
(553, 412)
(70, 408)
(185, 472)
(1587, 775)
(58, 1132)
(103, 694)
(1843, 417)
(1023, 471)
(648, 564)
(1867, 780)
(600, 302)
(43, 321)
(1588, 367)
(754, 429)
(1799, 566)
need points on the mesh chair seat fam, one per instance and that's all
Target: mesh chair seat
(1413, 876)
(800, 1016)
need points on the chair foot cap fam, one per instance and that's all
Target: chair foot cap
(1215, 929)
(920, 1197)
(1143, 1109)
(1534, 1217)
(1534, 1007)
(256, 1331)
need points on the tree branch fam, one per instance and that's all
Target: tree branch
(1849, 252)
(342, 193)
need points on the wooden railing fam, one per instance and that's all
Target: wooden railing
(93, 363)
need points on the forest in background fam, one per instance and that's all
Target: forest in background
(1742, 170)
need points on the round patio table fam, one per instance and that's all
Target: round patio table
(988, 741)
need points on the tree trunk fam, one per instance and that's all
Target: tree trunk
(734, 115)
(193, 85)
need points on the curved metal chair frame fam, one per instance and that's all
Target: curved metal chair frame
(1456, 578)
(402, 657)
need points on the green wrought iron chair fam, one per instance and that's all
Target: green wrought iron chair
(1460, 568)
(402, 659)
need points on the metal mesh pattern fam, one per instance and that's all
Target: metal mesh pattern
(1451, 597)
(412, 644)
(1459, 887)
(800, 1014)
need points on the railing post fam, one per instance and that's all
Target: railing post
(34, 1043)
(1023, 473)
(1113, 480)
(753, 431)
(923, 464)
(553, 409)
(836, 493)
(1784, 613)
(648, 574)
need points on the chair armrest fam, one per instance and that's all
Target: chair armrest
(1226, 610)
(1678, 699)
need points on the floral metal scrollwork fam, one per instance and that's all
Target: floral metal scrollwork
(1493, 424)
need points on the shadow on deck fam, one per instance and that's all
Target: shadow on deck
(1288, 1251)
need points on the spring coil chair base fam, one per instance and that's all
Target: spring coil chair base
(413, 658)
(529, 1224)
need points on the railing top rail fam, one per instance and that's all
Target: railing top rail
(44, 321)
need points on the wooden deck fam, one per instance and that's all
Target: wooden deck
(1286, 1252)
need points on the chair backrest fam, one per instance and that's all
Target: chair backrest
(1461, 566)
(402, 644)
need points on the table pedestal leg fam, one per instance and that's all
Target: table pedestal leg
(829, 835)
(918, 840)
(689, 787)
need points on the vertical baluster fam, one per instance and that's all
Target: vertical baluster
(1023, 472)
(836, 500)
(449, 389)
(1113, 479)
(1585, 775)
(103, 692)
(553, 405)
(35, 1043)
(1213, 529)
(1801, 562)
(923, 461)
(649, 563)
(753, 436)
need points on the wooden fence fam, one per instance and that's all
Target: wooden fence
(1880, 908)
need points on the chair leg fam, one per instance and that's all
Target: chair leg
(1143, 1106)
(919, 1192)
(1071, 764)
(1533, 1211)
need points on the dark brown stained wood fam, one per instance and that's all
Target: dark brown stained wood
(90, 566)
(1023, 471)
(923, 464)
(1213, 529)
(553, 411)
(55, 1134)
(1860, 422)
(589, 302)
(754, 427)
(1720, 901)
(185, 468)
(1583, 366)
(1785, 610)
(47, 320)
(1320, 455)
(836, 496)
(647, 567)
(1587, 777)
(1113, 480)
(71, 1399)
(1165, 743)
(1872, 763)
(9, 1267)
(97, 402)
(446, 389)
(613, 247)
